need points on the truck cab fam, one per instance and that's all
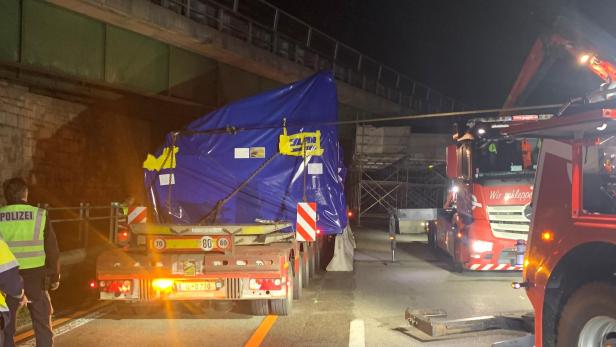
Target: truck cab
(485, 219)
(570, 263)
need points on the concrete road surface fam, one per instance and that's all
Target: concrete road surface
(360, 308)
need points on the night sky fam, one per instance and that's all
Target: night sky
(471, 50)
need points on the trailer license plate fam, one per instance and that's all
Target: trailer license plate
(195, 286)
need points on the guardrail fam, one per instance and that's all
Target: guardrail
(73, 225)
(263, 25)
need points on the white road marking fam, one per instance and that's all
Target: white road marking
(65, 328)
(356, 333)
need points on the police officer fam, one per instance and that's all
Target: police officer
(10, 285)
(31, 239)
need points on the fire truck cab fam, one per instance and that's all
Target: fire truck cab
(570, 262)
(484, 223)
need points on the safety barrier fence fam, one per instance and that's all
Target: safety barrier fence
(73, 225)
(263, 25)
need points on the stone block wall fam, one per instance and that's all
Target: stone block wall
(68, 151)
(28, 120)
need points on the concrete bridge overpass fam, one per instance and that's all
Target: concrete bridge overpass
(87, 87)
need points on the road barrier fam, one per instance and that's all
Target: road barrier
(73, 226)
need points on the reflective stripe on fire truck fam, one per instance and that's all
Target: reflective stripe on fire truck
(137, 214)
(495, 267)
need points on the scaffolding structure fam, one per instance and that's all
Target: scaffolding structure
(393, 169)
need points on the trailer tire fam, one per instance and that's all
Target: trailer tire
(223, 306)
(317, 255)
(306, 265)
(588, 317)
(312, 260)
(282, 307)
(297, 280)
(259, 307)
(122, 309)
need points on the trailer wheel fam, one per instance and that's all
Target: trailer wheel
(589, 317)
(259, 307)
(282, 307)
(317, 255)
(306, 265)
(297, 280)
(123, 309)
(312, 260)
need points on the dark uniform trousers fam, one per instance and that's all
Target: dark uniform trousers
(39, 306)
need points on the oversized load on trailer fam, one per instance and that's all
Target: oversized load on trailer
(245, 161)
(227, 193)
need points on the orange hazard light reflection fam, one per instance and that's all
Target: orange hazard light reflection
(547, 236)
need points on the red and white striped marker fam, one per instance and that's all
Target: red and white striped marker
(137, 214)
(495, 267)
(306, 221)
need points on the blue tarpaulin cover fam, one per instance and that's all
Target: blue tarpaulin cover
(185, 184)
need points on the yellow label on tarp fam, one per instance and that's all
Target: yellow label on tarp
(300, 144)
(164, 161)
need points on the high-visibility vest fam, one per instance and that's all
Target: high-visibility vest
(7, 262)
(22, 226)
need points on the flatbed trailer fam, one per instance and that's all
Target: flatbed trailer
(256, 262)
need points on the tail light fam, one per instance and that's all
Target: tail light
(162, 284)
(123, 237)
(265, 284)
(117, 287)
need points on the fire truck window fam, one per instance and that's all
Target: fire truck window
(599, 179)
(505, 157)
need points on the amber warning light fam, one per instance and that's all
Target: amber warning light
(547, 236)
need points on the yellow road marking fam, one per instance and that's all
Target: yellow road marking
(28, 334)
(259, 335)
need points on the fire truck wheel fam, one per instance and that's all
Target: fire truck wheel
(297, 281)
(282, 307)
(259, 307)
(589, 317)
(456, 266)
(431, 238)
(306, 264)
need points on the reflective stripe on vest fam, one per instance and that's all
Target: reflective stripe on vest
(21, 226)
(7, 262)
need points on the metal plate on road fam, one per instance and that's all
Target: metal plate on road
(195, 286)
(190, 243)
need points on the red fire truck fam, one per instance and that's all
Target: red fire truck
(486, 217)
(570, 266)
(485, 221)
